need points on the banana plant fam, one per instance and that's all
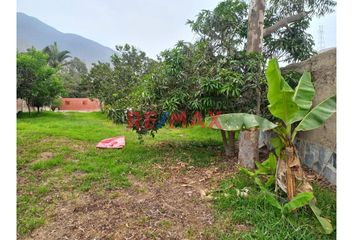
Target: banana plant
(293, 107)
(267, 170)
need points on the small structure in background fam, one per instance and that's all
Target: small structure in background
(80, 104)
(321, 41)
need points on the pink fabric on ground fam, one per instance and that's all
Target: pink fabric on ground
(115, 142)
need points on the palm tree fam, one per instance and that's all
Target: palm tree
(56, 57)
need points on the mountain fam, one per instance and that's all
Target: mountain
(33, 32)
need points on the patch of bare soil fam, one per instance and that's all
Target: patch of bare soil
(313, 176)
(173, 207)
(46, 155)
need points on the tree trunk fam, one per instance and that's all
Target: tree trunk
(255, 26)
(101, 105)
(232, 142)
(28, 107)
(248, 149)
(38, 109)
(248, 145)
(229, 143)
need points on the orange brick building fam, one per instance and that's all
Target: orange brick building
(80, 104)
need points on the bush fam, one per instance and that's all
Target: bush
(55, 104)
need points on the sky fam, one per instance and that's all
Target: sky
(150, 25)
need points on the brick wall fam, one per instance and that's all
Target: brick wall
(79, 104)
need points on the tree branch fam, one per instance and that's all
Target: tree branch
(283, 23)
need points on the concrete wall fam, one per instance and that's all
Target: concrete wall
(317, 148)
(323, 72)
(21, 106)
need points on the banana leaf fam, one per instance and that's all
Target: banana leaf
(241, 121)
(317, 116)
(280, 94)
(304, 93)
(325, 223)
(300, 200)
(272, 200)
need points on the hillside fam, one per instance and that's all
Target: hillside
(33, 32)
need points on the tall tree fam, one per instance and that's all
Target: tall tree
(248, 145)
(101, 83)
(56, 57)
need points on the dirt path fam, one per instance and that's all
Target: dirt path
(172, 206)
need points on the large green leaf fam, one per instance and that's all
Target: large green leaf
(274, 79)
(277, 144)
(271, 162)
(280, 94)
(317, 116)
(325, 223)
(303, 96)
(247, 172)
(270, 181)
(241, 121)
(272, 200)
(268, 166)
(300, 200)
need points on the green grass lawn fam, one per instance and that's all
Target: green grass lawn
(56, 154)
(74, 164)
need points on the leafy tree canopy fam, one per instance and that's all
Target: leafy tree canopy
(286, 22)
(119, 86)
(73, 74)
(37, 82)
